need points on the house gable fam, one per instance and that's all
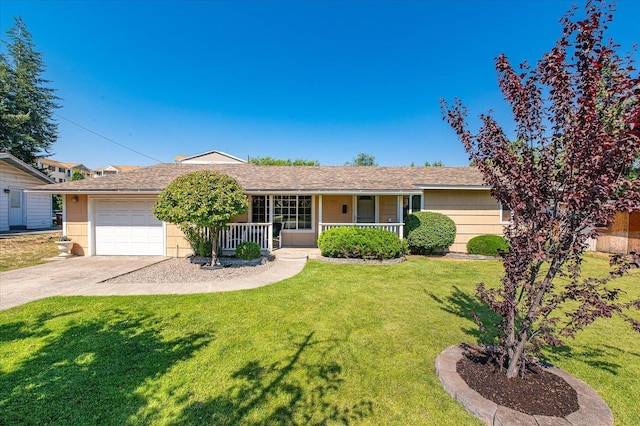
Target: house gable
(210, 157)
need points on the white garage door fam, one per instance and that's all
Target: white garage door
(127, 227)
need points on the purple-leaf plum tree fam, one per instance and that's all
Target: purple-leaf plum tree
(564, 173)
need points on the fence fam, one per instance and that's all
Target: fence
(237, 233)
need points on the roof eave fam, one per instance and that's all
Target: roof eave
(21, 165)
(463, 187)
(97, 191)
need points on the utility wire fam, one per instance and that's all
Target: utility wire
(106, 138)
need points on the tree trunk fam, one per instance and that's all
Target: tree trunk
(524, 333)
(213, 236)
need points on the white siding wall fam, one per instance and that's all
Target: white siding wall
(36, 210)
(4, 207)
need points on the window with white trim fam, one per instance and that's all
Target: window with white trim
(411, 204)
(505, 215)
(293, 211)
(260, 209)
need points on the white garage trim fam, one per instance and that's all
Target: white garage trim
(126, 226)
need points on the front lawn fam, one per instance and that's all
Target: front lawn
(337, 344)
(27, 250)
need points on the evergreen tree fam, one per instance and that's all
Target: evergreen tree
(27, 104)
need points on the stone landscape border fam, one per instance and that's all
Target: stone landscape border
(593, 410)
(360, 261)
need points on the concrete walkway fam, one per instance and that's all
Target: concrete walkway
(84, 276)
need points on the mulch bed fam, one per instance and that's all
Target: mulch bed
(537, 393)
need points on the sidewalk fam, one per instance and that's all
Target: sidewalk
(17, 232)
(83, 276)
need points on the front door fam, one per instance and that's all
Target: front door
(366, 209)
(16, 208)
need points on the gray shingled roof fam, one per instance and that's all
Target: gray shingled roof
(325, 179)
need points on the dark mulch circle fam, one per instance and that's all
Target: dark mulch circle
(537, 393)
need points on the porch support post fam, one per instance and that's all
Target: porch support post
(270, 232)
(376, 208)
(354, 210)
(319, 214)
(399, 208)
(270, 207)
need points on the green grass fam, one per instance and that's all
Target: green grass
(27, 250)
(337, 344)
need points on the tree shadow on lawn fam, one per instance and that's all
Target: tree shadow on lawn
(599, 358)
(19, 330)
(292, 391)
(464, 306)
(88, 373)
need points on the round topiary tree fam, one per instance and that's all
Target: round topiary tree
(206, 199)
(487, 245)
(429, 232)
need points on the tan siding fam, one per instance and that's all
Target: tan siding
(474, 213)
(623, 236)
(634, 232)
(332, 208)
(388, 210)
(299, 239)
(77, 224)
(244, 217)
(177, 244)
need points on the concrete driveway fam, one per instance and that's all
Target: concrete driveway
(66, 277)
(84, 276)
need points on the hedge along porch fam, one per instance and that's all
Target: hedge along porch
(112, 215)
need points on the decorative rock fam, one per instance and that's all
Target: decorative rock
(507, 417)
(475, 404)
(551, 421)
(593, 410)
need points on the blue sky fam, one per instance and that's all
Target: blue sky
(321, 80)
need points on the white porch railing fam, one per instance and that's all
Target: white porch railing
(237, 233)
(396, 228)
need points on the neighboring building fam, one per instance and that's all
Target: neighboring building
(112, 170)
(209, 157)
(20, 210)
(62, 172)
(623, 236)
(113, 215)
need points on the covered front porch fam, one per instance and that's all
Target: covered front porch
(286, 220)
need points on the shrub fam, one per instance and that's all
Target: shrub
(198, 239)
(361, 243)
(429, 232)
(248, 250)
(487, 245)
